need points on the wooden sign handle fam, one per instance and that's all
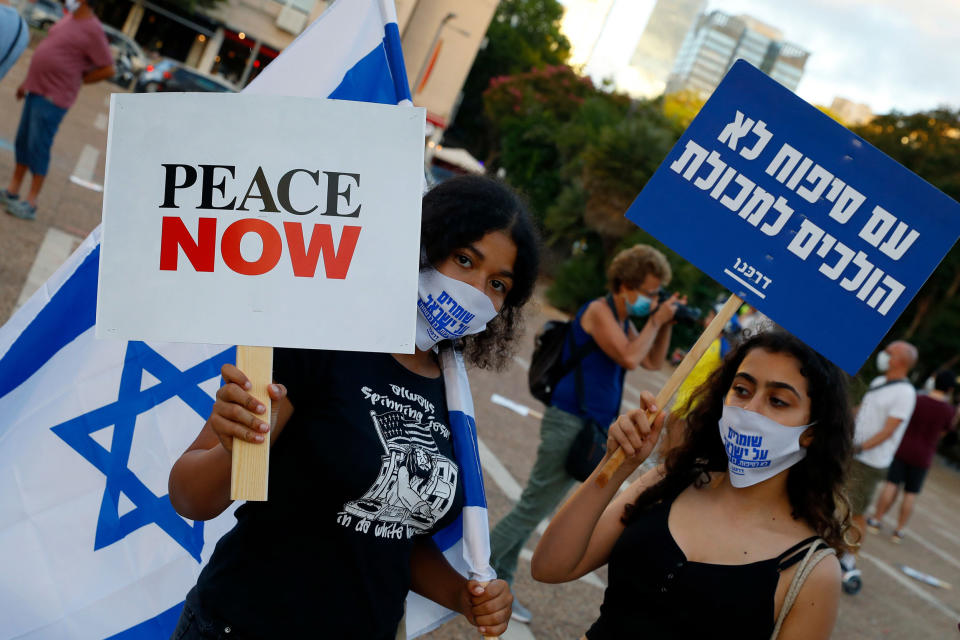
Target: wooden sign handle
(711, 333)
(251, 460)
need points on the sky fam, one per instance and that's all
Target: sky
(890, 54)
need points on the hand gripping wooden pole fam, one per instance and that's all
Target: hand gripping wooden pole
(484, 585)
(680, 374)
(251, 460)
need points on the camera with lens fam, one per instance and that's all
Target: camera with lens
(684, 314)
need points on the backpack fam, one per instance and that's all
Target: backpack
(547, 367)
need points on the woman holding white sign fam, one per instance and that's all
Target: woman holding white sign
(742, 519)
(362, 465)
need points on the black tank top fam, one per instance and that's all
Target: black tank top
(654, 591)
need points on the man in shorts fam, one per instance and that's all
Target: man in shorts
(75, 52)
(881, 421)
(932, 418)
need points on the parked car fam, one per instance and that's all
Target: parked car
(129, 60)
(168, 75)
(42, 13)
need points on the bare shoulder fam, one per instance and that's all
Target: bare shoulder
(824, 579)
(597, 311)
(814, 612)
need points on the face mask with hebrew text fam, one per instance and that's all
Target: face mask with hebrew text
(758, 447)
(449, 309)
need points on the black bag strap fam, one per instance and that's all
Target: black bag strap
(593, 345)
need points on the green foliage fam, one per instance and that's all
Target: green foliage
(682, 107)
(617, 163)
(581, 155)
(523, 35)
(580, 278)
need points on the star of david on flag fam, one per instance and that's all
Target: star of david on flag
(89, 544)
(114, 461)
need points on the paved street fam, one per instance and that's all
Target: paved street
(891, 604)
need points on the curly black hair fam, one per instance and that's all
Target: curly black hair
(462, 210)
(815, 484)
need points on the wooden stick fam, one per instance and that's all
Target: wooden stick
(251, 461)
(680, 374)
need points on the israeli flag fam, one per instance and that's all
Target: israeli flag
(90, 546)
(466, 542)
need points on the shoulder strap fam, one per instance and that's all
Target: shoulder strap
(886, 384)
(785, 560)
(810, 560)
(592, 346)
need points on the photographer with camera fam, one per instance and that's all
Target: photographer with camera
(586, 400)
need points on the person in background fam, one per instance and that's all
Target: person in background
(635, 277)
(75, 52)
(882, 418)
(14, 37)
(932, 418)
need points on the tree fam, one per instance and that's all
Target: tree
(528, 114)
(523, 35)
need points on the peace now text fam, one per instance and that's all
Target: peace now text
(199, 245)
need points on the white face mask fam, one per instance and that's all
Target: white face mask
(449, 309)
(883, 361)
(72, 5)
(757, 447)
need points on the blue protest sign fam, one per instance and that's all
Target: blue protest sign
(801, 218)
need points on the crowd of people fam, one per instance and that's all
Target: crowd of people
(705, 513)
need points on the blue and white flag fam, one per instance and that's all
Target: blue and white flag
(465, 542)
(90, 546)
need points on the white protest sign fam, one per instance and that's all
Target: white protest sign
(261, 220)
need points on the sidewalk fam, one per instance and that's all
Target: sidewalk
(66, 211)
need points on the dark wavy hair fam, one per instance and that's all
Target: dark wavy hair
(462, 210)
(814, 485)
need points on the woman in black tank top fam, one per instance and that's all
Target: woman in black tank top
(707, 544)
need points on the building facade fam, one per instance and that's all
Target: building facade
(236, 39)
(659, 44)
(718, 40)
(852, 113)
(441, 39)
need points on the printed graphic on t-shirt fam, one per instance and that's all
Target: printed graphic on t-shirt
(417, 484)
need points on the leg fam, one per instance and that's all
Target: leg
(548, 484)
(21, 147)
(906, 509)
(45, 120)
(16, 180)
(912, 485)
(888, 496)
(863, 482)
(36, 182)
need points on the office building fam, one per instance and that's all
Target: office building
(718, 40)
(659, 44)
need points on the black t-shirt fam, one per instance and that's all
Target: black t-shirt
(364, 465)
